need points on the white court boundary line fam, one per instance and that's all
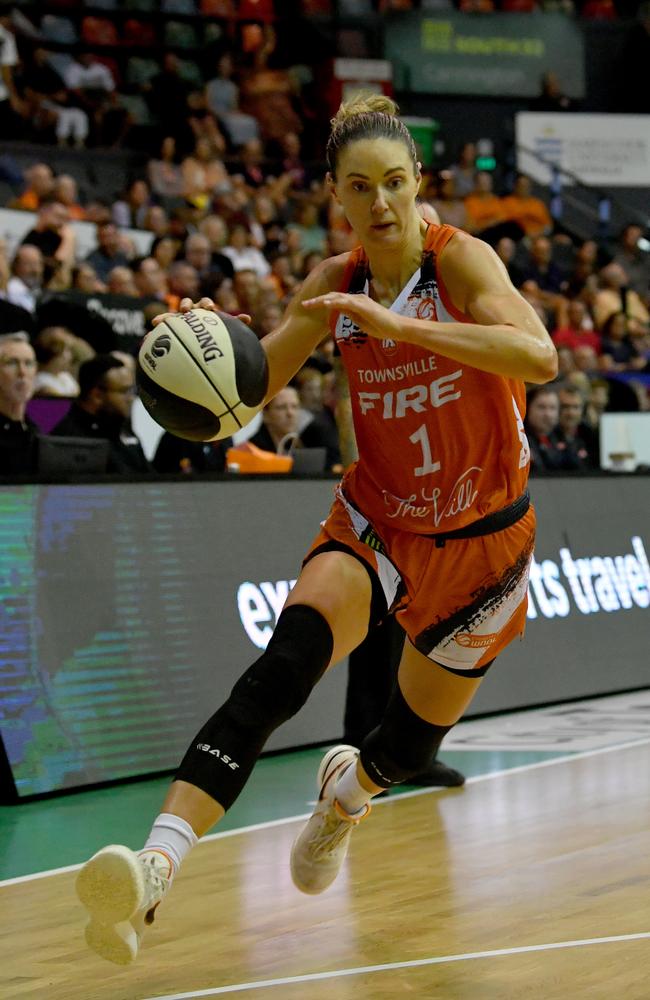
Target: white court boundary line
(582, 755)
(416, 963)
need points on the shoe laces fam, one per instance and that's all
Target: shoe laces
(335, 827)
(155, 879)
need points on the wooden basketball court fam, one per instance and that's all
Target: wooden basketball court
(533, 883)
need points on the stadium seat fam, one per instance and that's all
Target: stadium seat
(58, 29)
(309, 7)
(99, 31)
(137, 108)
(189, 71)
(256, 10)
(179, 7)
(143, 5)
(135, 32)
(218, 8)
(180, 35)
(140, 71)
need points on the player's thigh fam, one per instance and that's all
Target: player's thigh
(337, 585)
(434, 693)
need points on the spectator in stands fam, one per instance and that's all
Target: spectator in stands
(55, 356)
(586, 359)
(155, 220)
(26, 282)
(39, 180)
(121, 281)
(103, 410)
(484, 209)
(175, 454)
(216, 231)
(548, 453)
(55, 238)
(251, 165)
(202, 122)
(198, 253)
(279, 430)
(165, 174)
(316, 422)
(150, 279)
(131, 209)
(634, 261)
(526, 210)
(163, 250)
(109, 253)
(92, 87)
(183, 283)
(84, 279)
(50, 102)
(552, 97)
(291, 163)
(268, 92)
(11, 104)
(204, 173)
(615, 295)
(311, 235)
(578, 328)
(18, 435)
(463, 172)
(244, 256)
(222, 95)
(541, 268)
(618, 351)
(581, 439)
(66, 192)
(597, 403)
(447, 203)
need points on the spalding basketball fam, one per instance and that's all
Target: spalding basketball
(202, 376)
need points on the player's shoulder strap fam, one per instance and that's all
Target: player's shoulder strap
(438, 237)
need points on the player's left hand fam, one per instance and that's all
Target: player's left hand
(205, 303)
(371, 317)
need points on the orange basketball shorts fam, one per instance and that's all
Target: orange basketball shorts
(459, 604)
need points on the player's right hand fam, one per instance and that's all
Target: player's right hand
(205, 303)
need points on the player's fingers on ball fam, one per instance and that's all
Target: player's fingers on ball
(244, 318)
(161, 318)
(207, 303)
(186, 305)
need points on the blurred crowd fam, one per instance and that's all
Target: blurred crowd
(229, 207)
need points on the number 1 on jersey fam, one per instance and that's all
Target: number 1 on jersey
(428, 465)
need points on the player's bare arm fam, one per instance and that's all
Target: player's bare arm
(300, 331)
(507, 338)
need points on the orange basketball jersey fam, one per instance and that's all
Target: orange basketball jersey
(441, 443)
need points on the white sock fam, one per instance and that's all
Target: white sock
(350, 794)
(173, 836)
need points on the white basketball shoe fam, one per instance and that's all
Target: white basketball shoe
(121, 890)
(321, 846)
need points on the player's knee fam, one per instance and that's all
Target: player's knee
(401, 746)
(280, 682)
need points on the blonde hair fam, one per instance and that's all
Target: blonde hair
(367, 116)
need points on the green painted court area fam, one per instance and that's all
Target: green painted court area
(65, 829)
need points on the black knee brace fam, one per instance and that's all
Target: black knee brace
(223, 754)
(401, 746)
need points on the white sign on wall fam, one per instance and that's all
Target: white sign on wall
(601, 150)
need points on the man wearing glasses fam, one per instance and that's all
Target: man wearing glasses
(103, 410)
(18, 435)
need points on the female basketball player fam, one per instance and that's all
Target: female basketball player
(432, 524)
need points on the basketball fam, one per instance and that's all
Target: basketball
(202, 376)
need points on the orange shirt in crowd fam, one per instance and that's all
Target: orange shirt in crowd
(531, 214)
(484, 210)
